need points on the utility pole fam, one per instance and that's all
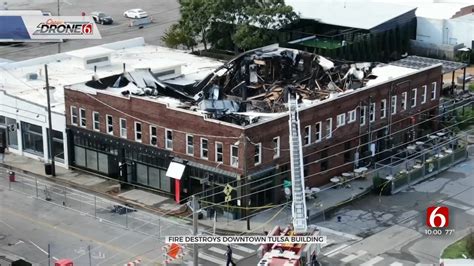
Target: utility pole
(50, 137)
(90, 257)
(195, 229)
(59, 43)
(246, 187)
(49, 254)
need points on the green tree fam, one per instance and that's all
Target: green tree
(176, 36)
(226, 22)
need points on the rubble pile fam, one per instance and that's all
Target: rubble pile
(260, 80)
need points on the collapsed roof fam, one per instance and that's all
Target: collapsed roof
(252, 86)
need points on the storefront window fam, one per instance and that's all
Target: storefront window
(32, 138)
(11, 130)
(58, 145)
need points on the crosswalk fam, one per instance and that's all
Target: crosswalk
(216, 254)
(341, 256)
(467, 209)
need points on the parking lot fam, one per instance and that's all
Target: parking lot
(163, 12)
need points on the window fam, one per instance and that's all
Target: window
(153, 136)
(82, 117)
(413, 97)
(138, 131)
(433, 91)
(423, 95)
(276, 147)
(32, 138)
(190, 145)
(74, 119)
(168, 139)
(362, 115)
(383, 108)
(234, 156)
(219, 154)
(317, 129)
(307, 135)
(341, 120)
(110, 124)
(404, 101)
(329, 128)
(204, 148)
(372, 112)
(123, 128)
(352, 116)
(258, 153)
(393, 105)
(96, 121)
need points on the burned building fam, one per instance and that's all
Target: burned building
(230, 126)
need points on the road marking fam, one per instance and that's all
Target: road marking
(242, 248)
(222, 251)
(372, 261)
(335, 251)
(456, 205)
(330, 241)
(334, 232)
(396, 263)
(42, 250)
(354, 256)
(204, 256)
(470, 212)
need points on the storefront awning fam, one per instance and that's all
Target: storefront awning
(175, 170)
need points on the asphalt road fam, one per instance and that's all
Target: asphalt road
(28, 224)
(163, 12)
(394, 226)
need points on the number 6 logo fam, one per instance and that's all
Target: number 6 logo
(437, 216)
(86, 29)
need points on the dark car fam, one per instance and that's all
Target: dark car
(101, 18)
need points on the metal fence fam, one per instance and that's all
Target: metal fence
(401, 173)
(102, 209)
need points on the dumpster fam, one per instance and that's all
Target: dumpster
(63, 262)
(11, 176)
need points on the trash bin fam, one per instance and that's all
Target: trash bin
(48, 168)
(11, 175)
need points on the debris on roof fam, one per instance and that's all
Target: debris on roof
(256, 82)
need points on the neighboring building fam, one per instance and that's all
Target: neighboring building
(344, 30)
(232, 127)
(23, 112)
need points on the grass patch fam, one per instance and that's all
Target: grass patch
(457, 249)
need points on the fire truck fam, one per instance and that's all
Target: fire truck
(275, 254)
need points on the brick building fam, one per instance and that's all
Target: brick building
(231, 127)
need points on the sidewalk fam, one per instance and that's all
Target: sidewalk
(327, 200)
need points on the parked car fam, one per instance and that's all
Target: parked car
(135, 13)
(101, 18)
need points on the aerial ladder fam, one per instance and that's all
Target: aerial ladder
(297, 174)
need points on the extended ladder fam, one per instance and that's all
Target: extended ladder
(297, 173)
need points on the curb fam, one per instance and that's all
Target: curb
(94, 192)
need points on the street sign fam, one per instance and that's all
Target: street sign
(228, 189)
(286, 183)
(228, 198)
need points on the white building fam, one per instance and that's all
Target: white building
(23, 101)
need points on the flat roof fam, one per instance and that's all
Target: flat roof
(419, 62)
(64, 70)
(90, 52)
(347, 13)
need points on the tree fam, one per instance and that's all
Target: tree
(244, 21)
(176, 36)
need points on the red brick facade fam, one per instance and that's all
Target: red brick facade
(148, 112)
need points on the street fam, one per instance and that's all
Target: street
(28, 224)
(164, 14)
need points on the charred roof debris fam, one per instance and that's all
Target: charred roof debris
(252, 86)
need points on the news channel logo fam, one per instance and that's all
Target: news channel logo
(437, 221)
